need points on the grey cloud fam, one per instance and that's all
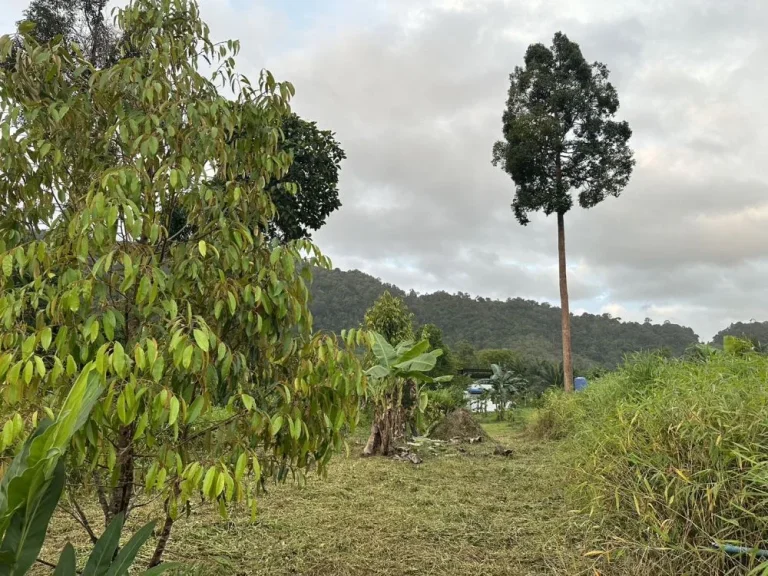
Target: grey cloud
(415, 91)
(417, 101)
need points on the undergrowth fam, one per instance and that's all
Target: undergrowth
(672, 457)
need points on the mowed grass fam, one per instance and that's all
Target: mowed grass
(462, 511)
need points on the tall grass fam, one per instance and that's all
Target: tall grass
(672, 456)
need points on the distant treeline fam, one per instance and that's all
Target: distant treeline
(340, 299)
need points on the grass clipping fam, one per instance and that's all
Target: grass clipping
(459, 425)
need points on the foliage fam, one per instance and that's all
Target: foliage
(78, 22)
(559, 132)
(442, 401)
(394, 387)
(316, 154)
(390, 317)
(315, 169)
(32, 484)
(106, 558)
(737, 346)
(93, 286)
(531, 329)
(672, 454)
(31, 487)
(446, 364)
(505, 384)
(757, 332)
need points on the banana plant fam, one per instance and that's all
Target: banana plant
(505, 383)
(33, 484)
(394, 385)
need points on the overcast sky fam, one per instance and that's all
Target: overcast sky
(415, 89)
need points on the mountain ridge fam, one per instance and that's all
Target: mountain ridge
(340, 298)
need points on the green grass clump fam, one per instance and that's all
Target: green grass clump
(673, 456)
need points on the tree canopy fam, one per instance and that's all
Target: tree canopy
(317, 155)
(390, 317)
(559, 132)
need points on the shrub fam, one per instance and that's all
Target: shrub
(443, 401)
(673, 456)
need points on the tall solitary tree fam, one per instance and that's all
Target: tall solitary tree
(560, 137)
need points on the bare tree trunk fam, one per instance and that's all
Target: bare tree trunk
(566, 312)
(162, 541)
(123, 492)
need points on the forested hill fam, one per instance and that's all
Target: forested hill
(755, 330)
(340, 299)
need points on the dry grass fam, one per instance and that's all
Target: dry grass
(458, 513)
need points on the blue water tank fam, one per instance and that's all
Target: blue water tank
(580, 383)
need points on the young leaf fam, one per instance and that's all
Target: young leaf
(202, 339)
(67, 564)
(129, 551)
(174, 411)
(26, 532)
(104, 550)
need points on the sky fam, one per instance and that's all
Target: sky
(415, 89)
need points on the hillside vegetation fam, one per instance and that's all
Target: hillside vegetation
(340, 299)
(756, 331)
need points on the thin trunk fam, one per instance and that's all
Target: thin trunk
(162, 541)
(123, 491)
(566, 312)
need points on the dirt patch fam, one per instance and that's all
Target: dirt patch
(459, 425)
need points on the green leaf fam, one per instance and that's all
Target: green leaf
(157, 369)
(202, 339)
(45, 337)
(378, 372)
(153, 145)
(67, 564)
(186, 359)
(195, 409)
(412, 351)
(210, 476)
(104, 550)
(232, 302)
(220, 483)
(174, 411)
(382, 349)
(118, 359)
(141, 426)
(275, 426)
(256, 469)
(129, 551)
(201, 246)
(242, 461)
(40, 366)
(26, 532)
(421, 363)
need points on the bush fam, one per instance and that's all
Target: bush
(442, 402)
(673, 456)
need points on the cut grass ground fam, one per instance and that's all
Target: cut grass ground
(458, 513)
